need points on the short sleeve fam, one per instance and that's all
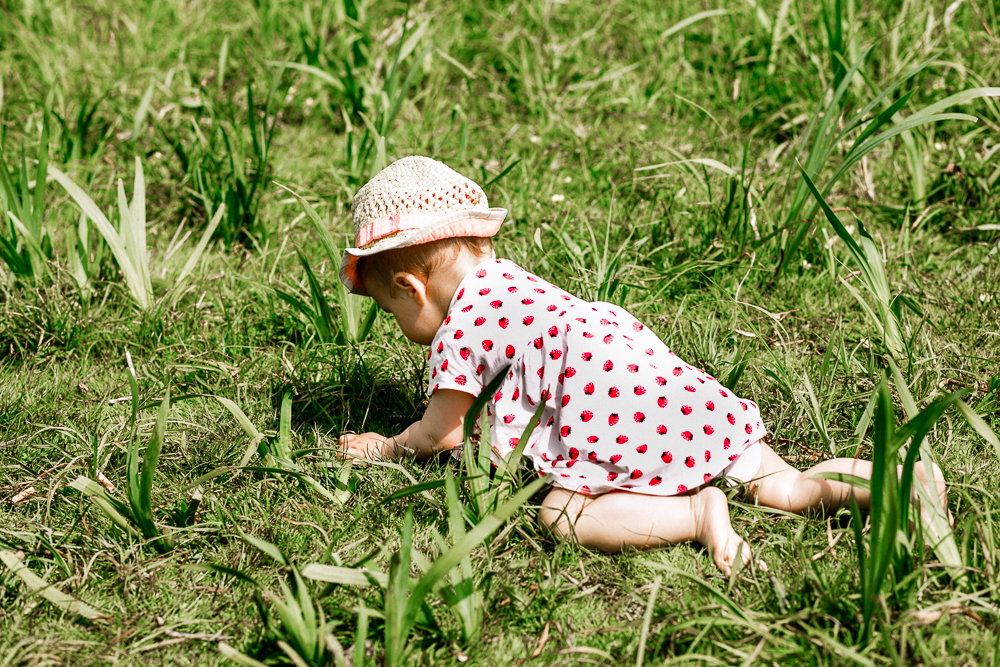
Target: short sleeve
(452, 362)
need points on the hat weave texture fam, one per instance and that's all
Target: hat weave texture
(414, 184)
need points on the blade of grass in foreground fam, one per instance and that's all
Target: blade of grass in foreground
(54, 595)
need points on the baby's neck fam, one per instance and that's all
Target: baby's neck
(444, 280)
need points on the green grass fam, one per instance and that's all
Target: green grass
(235, 314)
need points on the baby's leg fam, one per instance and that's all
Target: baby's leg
(612, 521)
(781, 486)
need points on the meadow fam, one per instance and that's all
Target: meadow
(800, 196)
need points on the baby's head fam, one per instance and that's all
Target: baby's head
(419, 227)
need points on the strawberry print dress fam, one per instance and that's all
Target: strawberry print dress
(623, 412)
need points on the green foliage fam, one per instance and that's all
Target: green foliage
(28, 246)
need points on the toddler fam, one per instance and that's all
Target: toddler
(630, 433)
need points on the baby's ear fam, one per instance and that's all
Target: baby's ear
(412, 285)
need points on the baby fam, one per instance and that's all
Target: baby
(630, 434)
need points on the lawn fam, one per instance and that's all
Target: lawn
(801, 197)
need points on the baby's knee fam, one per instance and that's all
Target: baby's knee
(559, 512)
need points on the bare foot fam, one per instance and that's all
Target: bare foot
(715, 529)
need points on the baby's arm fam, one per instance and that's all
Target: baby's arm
(439, 430)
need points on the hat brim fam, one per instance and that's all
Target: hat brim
(482, 223)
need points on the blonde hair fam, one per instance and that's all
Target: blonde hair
(421, 259)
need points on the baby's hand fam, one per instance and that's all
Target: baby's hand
(372, 446)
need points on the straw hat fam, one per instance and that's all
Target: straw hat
(415, 200)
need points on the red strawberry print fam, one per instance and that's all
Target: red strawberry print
(687, 435)
(605, 322)
(592, 439)
(508, 276)
(447, 320)
(678, 371)
(632, 368)
(708, 456)
(661, 429)
(565, 400)
(487, 345)
(553, 331)
(496, 304)
(637, 327)
(587, 334)
(555, 354)
(479, 369)
(498, 396)
(641, 449)
(460, 380)
(639, 417)
(550, 308)
(685, 409)
(743, 405)
(689, 461)
(527, 302)
(459, 334)
(592, 456)
(465, 352)
(649, 351)
(639, 390)
(461, 293)
(608, 366)
(512, 443)
(725, 443)
(484, 291)
(481, 273)
(690, 388)
(733, 457)
(681, 488)
(655, 481)
(615, 458)
(710, 406)
(440, 346)
(564, 431)
(622, 439)
(667, 457)
(613, 392)
(586, 356)
(480, 321)
(540, 372)
(662, 401)
(570, 371)
(532, 279)
(503, 322)
(724, 394)
(467, 308)
(507, 419)
(517, 392)
(612, 476)
(444, 365)
(706, 477)
(528, 320)
(731, 419)
(613, 419)
(510, 351)
(749, 429)
(608, 339)
(636, 474)
(538, 343)
(434, 373)
(661, 381)
(511, 289)
(709, 429)
(586, 415)
(588, 389)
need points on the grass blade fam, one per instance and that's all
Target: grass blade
(57, 597)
